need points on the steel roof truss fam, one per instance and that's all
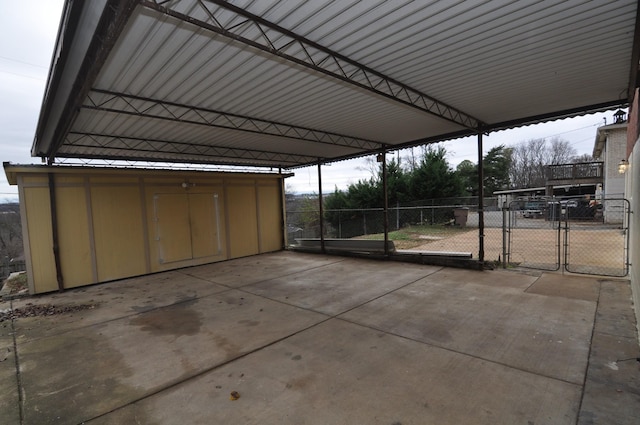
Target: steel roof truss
(307, 53)
(158, 109)
(134, 144)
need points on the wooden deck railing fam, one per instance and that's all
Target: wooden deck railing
(577, 171)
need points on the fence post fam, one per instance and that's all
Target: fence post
(432, 213)
(320, 208)
(505, 210)
(364, 222)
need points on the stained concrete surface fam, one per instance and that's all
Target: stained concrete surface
(312, 339)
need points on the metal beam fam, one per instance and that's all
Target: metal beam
(137, 146)
(158, 109)
(535, 119)
(288, 45)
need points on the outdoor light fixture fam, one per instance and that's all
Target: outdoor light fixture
(380, 157)
(622, 166)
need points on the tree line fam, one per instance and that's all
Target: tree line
(430, 176)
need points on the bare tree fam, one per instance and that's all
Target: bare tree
(529, 159)
(585, 157)
(10, 232)
(371, 166)
(560, 151)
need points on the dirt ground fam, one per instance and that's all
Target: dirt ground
(589, 249)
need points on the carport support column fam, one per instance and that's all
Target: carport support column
(480, 201)
(385, 198)
(321, 209)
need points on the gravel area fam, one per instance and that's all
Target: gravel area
(39, 310)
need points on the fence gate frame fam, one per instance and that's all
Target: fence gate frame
(509, 221)
(562, 226)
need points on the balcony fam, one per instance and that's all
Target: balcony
(578, 173)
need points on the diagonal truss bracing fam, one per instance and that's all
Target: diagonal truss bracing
(272, 38)
(103, 100)
(122, 147)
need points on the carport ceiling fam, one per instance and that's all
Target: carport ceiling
(296, 82)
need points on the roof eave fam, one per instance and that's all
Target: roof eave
(88, 31)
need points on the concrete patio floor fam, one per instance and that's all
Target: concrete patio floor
(313, 339)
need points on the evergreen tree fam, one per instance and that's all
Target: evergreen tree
(468, 172)
(397, 183)
(433, 178)
(496, 169)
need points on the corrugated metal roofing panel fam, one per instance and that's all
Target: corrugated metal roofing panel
(255, 86)
(390, 73)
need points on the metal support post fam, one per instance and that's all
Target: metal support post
(320, 208)
(385, 198)
(480, 201)
(505, 212)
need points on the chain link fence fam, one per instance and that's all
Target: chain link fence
(581, 234)
(6, 268)
(442, 225)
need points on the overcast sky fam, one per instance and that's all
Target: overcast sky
(28, 30)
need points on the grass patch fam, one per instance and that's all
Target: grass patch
(417, 235)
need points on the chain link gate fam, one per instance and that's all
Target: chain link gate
(584, 237)
(531, 239)
(598, 245)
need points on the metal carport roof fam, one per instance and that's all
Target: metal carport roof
(292, 83)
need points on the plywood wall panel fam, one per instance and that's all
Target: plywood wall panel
(38, 212)
(108, 229)
(204, 213)
(243, 221)
(172, 228)
(270, 217)
(117, 221)
(73, 236)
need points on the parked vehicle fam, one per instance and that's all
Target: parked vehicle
(534, 209)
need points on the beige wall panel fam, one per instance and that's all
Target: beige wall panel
(38, 213)
(117, 221)
(270, 216)
(111, 179)
(104, 209)
(205, 229)
(203, 183)
(195, 181)
(62, 179)
(152, 229)
(173, 234)
(43, 179)
(169, 181)
(201, 237)
(243, 223)
(73, 236)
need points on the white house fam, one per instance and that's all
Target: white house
(611, 148)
